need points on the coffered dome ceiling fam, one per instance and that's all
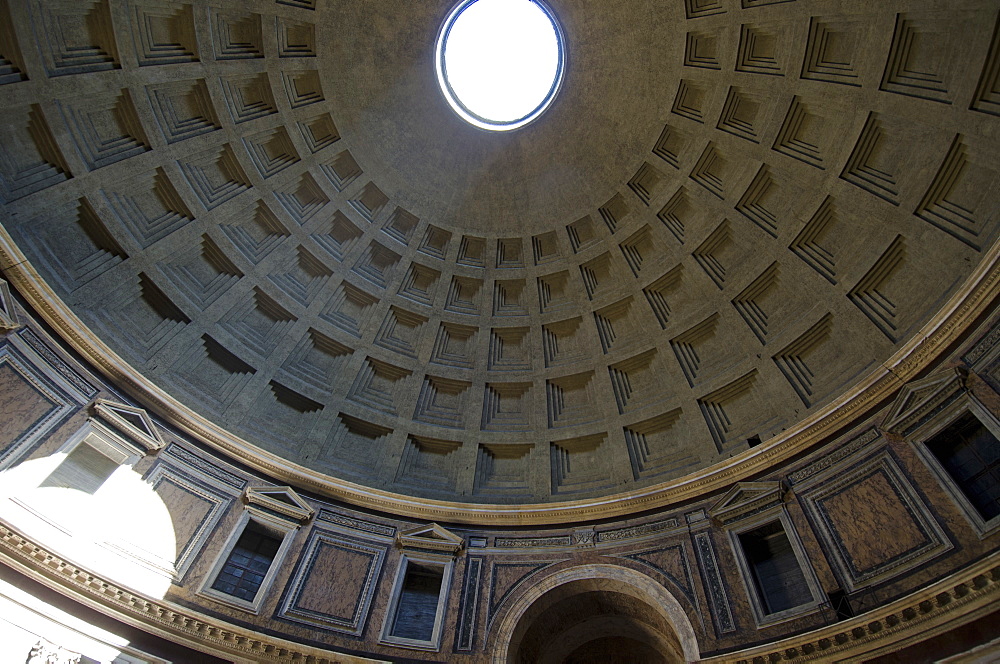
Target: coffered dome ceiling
(733, 213)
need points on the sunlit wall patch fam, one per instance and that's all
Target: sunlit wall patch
(500, 63)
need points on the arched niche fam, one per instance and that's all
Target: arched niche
(594, 611)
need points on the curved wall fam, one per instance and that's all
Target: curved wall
(880, 533)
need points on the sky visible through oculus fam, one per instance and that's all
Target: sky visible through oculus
(501, 58)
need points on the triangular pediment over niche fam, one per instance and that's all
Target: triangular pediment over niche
(919, 399)
(431, 537)
(747, 499)
(8, 317)
(131, 421)
(278, 502)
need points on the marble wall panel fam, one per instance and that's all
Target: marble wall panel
(195, 505)
(32, 404)
(849, 506)
(333, 582)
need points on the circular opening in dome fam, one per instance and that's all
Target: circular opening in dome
(500, 62)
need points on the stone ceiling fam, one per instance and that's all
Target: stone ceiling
(733, 212)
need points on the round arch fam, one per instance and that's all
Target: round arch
(603, 577)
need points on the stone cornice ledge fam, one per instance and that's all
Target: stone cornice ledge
(157, 616)
(958, 599)
(973, 299)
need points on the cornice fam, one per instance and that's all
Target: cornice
(746, 499)
(266, 501)
(962, 597)
(157, 616)
(973, 299)
(957, 599)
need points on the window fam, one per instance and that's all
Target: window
(780, 583)
(416, 610)
(957, 437)
(93, 455)
(970, 454)
(961, 445)
(416, 614)
(85, 468)
(775, 569)
(415, 618)
(248, 563)
(777, 576)
(96, 451)
(246, 566)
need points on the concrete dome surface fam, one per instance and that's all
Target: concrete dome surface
(722, 225)
(701, 363)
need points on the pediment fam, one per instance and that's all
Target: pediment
(431, 537)
(918, 399)
(131, 421)
(8, 317)
(747, 499)
(278, 502)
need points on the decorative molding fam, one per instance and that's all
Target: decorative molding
(715, 588)
(612, 577)
(835, 457)
(44, 652)
(532, 542)
(465, 640)
(640, 530)
(191, 459)
(158, 617)
(888, 482)
(746, 499)
(296, 607)
(8, 315)
(920, 399)
(494, 602)
(431, 538)
(329, 516)
(958, 599)
(217, 500)
(695, 517)
(983, 346)
(61, 404)
(33, 341)
(939, 607)
(940, 333)
(677, 554)
(131, 421)
(280, 502)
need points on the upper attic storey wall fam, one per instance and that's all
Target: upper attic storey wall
(879, 531)
(733, 216)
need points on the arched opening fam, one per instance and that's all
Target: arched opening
(500, 63)
(595, 613)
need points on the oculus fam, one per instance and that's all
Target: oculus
(500, 62)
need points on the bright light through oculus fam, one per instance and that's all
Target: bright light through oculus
(500, 62)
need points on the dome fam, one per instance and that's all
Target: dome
(700, 361)
(278, 233)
